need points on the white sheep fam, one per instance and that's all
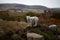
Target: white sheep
(32, 20)
(53, 28)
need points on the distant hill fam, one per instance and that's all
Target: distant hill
(55, 9)
(21, 6)
(26, 7)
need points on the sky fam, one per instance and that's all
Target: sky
(47, 3)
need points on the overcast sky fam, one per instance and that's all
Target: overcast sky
(48, 3)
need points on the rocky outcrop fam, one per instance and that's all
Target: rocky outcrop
(34, 36)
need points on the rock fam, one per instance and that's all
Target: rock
(34, 36)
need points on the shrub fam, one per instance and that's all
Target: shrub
(30, 14)
(56, 15)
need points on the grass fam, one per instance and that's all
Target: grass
(7, 26)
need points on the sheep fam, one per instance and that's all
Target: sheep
(32, 21)
(53, 28)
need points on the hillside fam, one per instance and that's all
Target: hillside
(55, 9)
(21, 6)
